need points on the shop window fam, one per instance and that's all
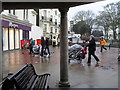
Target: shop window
(16, 39)
(25, 35)
(11, 38)
(5, 39)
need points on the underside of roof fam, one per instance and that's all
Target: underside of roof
(43, 5)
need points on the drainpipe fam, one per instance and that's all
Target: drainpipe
(64, 49)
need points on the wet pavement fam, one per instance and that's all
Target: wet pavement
(104, 75)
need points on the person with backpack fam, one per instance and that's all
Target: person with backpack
(31, 46)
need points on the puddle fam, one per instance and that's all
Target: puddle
(75, 62)
(106, 68)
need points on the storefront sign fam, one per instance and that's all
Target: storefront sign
(15, 25)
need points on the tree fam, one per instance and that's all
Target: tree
(109, 19)
(102, 20)
(81, 28)
(112, 14)
(118, 14)
(87, 17)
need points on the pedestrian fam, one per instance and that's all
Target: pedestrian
(109, 45)
(92, 48)
(78, 39)
(43, 46)
(102, 43)
(31, 45)
(47, 46)
(25, 44)
(58, 41)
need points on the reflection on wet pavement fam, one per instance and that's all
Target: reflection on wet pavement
(102, 75)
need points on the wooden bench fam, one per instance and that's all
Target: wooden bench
(26, 79)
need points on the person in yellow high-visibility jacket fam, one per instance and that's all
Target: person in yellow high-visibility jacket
(103, 43)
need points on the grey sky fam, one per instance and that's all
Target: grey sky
(95, 7)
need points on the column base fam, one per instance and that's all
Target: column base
(64, 84)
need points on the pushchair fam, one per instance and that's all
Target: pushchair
(77, 52)
(36, 50)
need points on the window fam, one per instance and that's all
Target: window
(51, 18)
(37, 17)
(45, 27)
(14, 12)
(55, 21)
(9, 11)
(45, 14)
(5, 39)
(25, 14)
(55, 30)
(25, 34)
(51, 29)
(55, 12)
(11, 38)
(16, 38)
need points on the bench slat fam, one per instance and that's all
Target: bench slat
(44, 81)
(21, 74)
(32, 87)
(26, 80)
(39, 81)
(31, 81)
(46, 86)
(23, 77)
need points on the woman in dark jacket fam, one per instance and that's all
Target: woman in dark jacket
(47, 46)
(92, 48)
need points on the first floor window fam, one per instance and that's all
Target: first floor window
(25, 35)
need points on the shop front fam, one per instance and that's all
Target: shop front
(11, 34)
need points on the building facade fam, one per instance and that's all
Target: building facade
(29, 23)
(13, 30)
(50, 21)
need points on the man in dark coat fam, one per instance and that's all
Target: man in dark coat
(92, 48)
(47, 46)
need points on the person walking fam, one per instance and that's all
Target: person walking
(47, 46)
(92, 48)
(102, 43)
(31, 45)
(43, 46)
